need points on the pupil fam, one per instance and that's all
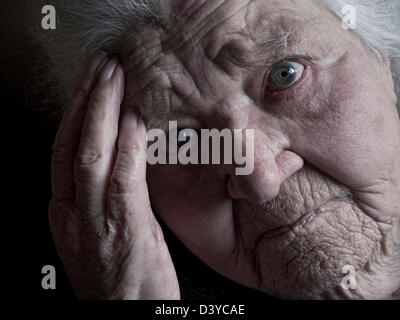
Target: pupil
(284, 74)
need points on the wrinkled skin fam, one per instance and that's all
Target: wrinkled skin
(329, 146)
(325, 191)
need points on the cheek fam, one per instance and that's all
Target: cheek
(189, 194)
(170, 189)
(355, 138)
(195, 206)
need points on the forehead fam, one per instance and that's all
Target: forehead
(252, 15)
(173, 59)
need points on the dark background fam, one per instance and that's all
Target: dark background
(28, 135)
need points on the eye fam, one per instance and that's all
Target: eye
(284, 75)
(184, 136)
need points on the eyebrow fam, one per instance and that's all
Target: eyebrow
(269, 45)
(258, 56)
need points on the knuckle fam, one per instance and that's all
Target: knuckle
(122, 182)
(97, 100)
(59, 204)
(58, 153)
(87, 157)
(131, 156)
(85, 165)
(127, 175)
(131, 149)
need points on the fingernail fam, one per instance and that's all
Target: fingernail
(131, 119)
(108, 70)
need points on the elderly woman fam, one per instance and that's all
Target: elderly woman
(322, 204)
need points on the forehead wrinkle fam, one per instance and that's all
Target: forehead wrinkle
(277, 41)
(160, 105)
(151, 109)
(201, 24)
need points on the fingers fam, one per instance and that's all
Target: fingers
(128, 180)
(68, 136)
(95, 156)
(95, 148)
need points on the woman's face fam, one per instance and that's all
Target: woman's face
(325, 190)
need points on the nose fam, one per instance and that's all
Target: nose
(272, 166)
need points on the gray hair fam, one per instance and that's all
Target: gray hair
(89, 26)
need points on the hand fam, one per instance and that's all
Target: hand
(100, 216)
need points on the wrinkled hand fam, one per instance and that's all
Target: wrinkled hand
(100, 216)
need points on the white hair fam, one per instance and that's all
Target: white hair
(378, 28)
(88, 26)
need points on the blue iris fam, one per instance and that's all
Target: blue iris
(284, 74)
